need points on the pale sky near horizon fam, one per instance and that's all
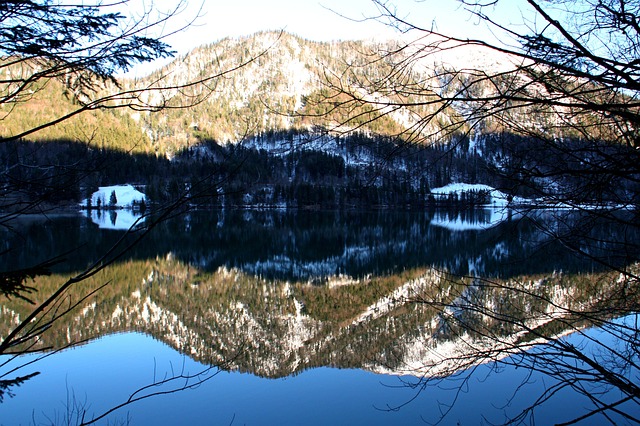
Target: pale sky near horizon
(318, 20)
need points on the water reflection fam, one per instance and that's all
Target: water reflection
(122, 364)
(119, 220)
(308, 245)
(277, 295)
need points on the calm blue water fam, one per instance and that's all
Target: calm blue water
(106, 372)
(94, 378)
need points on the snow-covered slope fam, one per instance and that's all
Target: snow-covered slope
(115, 207)
(276, 77)
(123, 196)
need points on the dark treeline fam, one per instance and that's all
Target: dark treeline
(357, 171)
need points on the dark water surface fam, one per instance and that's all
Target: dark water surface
(266, 318)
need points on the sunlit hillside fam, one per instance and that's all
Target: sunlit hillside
(268, 81)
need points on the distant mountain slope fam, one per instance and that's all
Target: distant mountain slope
(280, 83)
(271, 92)
(285, 82)
(274, 132)
(107, 129)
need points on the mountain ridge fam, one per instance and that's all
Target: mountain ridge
(278, 122)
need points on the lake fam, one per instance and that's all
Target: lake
(275, 317)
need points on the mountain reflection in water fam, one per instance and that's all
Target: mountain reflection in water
(277, 294)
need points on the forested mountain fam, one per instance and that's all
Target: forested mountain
(274, 91)
(272, 133)
(270, 93)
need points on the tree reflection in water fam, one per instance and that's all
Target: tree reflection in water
(245, 296)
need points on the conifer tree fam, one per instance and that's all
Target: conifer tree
(113, 200)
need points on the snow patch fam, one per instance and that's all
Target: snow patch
(112, 207)
(125, 195)
(498, 198)
(117, 312)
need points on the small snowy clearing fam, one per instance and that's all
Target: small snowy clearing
(498, 198)
(495, 211)
(118, 213)
(125, 196)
